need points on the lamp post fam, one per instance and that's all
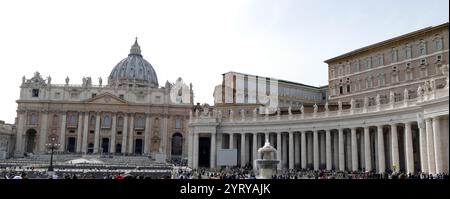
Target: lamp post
(52, 146)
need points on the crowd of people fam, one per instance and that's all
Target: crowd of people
(248, 173)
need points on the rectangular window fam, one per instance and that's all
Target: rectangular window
(158, 98)
(341, 90)
(178, 123)
(57, 95)
(35, 93)
(121, 96)
(94, 95)
(73, 95)
(348, 88)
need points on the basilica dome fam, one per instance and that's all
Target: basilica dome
(133, 70)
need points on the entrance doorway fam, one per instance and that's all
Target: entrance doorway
(71, 142)
(204, 147)
(138, 146)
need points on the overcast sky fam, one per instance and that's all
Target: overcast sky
(195, 40)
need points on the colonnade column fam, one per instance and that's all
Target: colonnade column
(255, 149)
(368, 162)
(303, 149)
(316, 149)
(430, 143)
(409, 148)
(381, 158)
(437, 145)
(341, 149)
(328, 149)
(242, 149)
(354, 150)
(291, 150)
(190, 148)
(231, 141)
(212, 159)
(395, 153)
(279, 150)
(195, 152)
(423, 147)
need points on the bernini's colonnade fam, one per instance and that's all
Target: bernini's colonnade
(408, 135)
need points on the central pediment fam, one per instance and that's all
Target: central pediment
(106, 98)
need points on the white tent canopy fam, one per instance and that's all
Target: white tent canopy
(84, 161)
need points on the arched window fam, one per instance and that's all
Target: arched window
(140, 122)
(120, 121)
(106, 121)
(92, 121)
(55, 120)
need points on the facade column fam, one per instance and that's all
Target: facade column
(368, 162)
(381, 158)
(190, 147)
(231, 141)
(113, 133)
(20, 129)
(322, 149)
(291, 150)
(43, 132)
(147, 141)
(195, 153)
(328, 149)
(79, 131)
(97, 132)
(85, 132)
(395, 153)
(62, 135)
(213, 155)
(316, 149)
(124, 134)
(279, 150)
(242, 149)
(423, 147)
(335, 150)
(131, 135)
(354, 150)
(303, 149)
(409, 149)
(255, 149)
(430, 143)
(341, 149)
(437, 145)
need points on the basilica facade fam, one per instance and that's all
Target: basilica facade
(130, 114)
(387, 108)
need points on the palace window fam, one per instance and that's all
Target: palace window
(408, 52)
(121, 96)
(35, 93)
(381, 80)
(408, 74)
(393, 55)
(422, 48)
(357, 66)
(369, 62)
(348, 88)
(438, 43)
(369, 82)
(341, 90)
